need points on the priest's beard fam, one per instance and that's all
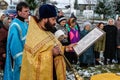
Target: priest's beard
(49, 26)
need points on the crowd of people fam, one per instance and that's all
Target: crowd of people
(104, 48)
(33, 48)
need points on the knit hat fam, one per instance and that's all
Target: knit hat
(59, 33)
(47, 11)
(61, 18)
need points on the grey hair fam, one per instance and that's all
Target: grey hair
(112, 20)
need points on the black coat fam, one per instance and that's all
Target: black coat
(118, 38)
(111, 41)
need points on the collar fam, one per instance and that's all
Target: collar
(21, 18)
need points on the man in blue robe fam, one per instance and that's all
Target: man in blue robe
(15, 43)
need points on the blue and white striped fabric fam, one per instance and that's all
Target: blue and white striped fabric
(15, 44)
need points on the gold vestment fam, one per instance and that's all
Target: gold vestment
(37, 62)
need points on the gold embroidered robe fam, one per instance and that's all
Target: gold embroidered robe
(37, 62)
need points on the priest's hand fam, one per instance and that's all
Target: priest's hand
(56, 50)
(3, 55)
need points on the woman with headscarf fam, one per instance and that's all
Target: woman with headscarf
(3, 41)
(87, 57)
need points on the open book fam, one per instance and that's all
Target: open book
(88, 40)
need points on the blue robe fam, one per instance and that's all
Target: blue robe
(88, 56)
(15, 44)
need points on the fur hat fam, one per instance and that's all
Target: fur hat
(47, 11)
(61, 18)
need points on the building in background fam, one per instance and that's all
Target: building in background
(12, 3)
(68, 5)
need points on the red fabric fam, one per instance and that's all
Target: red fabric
(3, 41)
